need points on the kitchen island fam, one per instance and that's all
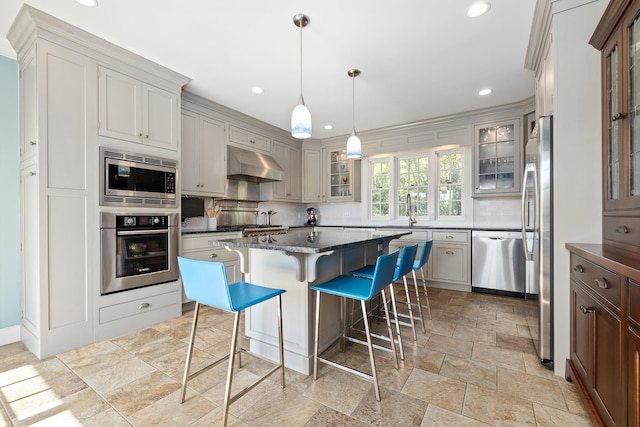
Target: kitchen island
(295, 261)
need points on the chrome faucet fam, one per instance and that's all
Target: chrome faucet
(269, 215)
(264, 217)
(411, 219)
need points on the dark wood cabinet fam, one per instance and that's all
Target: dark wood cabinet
(618, 38)
(633, 356)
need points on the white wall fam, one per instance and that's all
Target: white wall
(10, 212)
(577, 150)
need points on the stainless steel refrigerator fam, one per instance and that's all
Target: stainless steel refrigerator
(537, 231)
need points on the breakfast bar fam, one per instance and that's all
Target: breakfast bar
(295, 261)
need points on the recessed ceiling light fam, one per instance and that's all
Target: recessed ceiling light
(484, 92)
(89, 3)
(478, 9)
(328, 127)
(257, 90)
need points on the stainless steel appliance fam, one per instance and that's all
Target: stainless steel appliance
(312, 216)
(137, 250)
(130, 179)
(537, 214)
(259, 230)
(498, 264)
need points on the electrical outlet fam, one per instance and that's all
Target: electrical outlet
(346, 213)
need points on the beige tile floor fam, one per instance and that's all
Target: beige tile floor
(475, 366)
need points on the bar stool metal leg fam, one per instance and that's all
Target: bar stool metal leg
(409, 308)
(280, 340)
(373, 362)
(418, 303)
(192, 338)
(395, 315)
(426, 293)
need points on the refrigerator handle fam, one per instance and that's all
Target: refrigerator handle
(528, 254)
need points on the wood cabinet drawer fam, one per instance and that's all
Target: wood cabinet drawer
(622, 230)
(451, 236)
(602, 281)
(138, 306)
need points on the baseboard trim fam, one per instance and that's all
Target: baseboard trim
(9, 334)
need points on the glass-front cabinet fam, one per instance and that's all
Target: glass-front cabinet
(344, 177)
(498, 158)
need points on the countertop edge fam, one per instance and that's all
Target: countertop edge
(612, 258)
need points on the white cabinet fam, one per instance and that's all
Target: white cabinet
(497, 153)
(328, 176)
(288, 190)
(132, 110)
(450, 256)
(312, 179)
(56, 234)
(248, 139)
(203, 164)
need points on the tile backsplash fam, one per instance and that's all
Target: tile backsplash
(503, 212)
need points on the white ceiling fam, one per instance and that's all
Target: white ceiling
(419, 59)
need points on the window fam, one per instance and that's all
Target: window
(450, 185)
(380, 188)
(393, 178)
(413, 179)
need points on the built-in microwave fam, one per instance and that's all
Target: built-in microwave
(130, 179)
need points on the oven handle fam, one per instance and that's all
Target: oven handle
(141, 232)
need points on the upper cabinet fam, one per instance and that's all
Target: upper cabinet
(618, 38)
(132, 110)
(251, 140)
(344, 177)
(290, 189)
(312, 180)
(204, 169)
(498, 158)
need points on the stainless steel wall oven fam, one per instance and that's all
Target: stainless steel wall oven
(137, 250)
(130, 179)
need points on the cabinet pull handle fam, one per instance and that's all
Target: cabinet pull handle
(618, 116)
(578, 268)
(32, 143)
(602, 283)
(622, 229)
(448, 237)
(213, 256)
(32, 173)
(585, 309)
(449, 252)
(143, 306)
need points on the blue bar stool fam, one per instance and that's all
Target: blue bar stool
(359, 289)
(206, 283)
(403, 267)
(419, 265)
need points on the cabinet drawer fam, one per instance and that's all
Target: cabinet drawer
(622, 229)
(451, 236)
(601, 280)
(201, 241)
(139, 306)
(212, 254)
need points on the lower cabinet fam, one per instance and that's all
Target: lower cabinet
(604, 359)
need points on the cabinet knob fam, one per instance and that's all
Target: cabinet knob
(585, 309)
(622, 229)
(213, 256)
(32, 173)
(578, 268)
(602, 283)
(140, 134)
(618, 116)
(146, 136)
(32, 143)
(143, 306)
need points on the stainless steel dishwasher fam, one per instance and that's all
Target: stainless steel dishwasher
(497, 262)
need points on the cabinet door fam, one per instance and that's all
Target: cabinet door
(633, 376)
(28, 104)
(190, 156)
(213, 160)
(313, 185)
(250, 140)
(581, 332)
(119, 106)
(343, 177)
(30, 238)
(159, 117)
(450, 262)
(281, 154)
(498, 158)
(294, 174)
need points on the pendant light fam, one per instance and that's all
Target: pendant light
(354, 148)
(301, 117)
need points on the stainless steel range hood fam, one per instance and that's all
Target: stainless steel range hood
(245, 165)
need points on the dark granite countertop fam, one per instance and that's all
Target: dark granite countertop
(309, 241)
(415, 227)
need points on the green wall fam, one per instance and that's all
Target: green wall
(10, 207)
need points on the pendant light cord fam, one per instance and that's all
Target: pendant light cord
(353, 80)
(301, 61)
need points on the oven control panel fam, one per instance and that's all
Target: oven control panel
(141, 222)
